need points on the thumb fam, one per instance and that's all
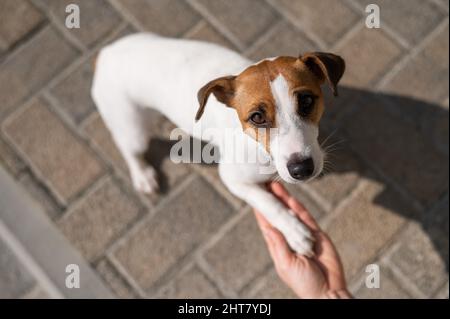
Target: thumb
(278, 247)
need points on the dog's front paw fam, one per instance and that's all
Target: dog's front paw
(145, 180)
(298, 236)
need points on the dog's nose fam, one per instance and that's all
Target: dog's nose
(300, 169)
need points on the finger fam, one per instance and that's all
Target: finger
(279, 248)
(265, 227)
(262, 221)
(280, 192)
(333, 295)
(303, 214)
(274, 239)
(271, 246)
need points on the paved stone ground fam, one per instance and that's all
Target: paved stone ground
(384, 200)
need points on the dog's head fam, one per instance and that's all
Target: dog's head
(279, 102)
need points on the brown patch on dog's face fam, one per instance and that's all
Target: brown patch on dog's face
(250, 92)
(254, 98)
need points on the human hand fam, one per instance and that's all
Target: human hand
(321, 276)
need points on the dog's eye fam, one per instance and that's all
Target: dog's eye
(257, 118)
(305, 104)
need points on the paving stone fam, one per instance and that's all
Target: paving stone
(345, 171)
(399, 149)
(158, 154)
(327, 19)
(269, 286)
(179, 227)
(419, 259)
(240, 255)
(207, 33)
(234, 15)
(97, 18)
(169, 173)
(411, 19)
(439, 130)
(9, 159)
(127, 30)
(100, 136)
(191, 285)
(441, 134)
(74, 92)
(443, 293)
(39, 192)
(284, 40)
(154, 15)
(169, 176)
(36, 63)
(436, 222)
(301, 195)
(114, 280)
(338, 107)
(17, 19)
(98, 219)
(425, 77)
(210, 172)
(369, 54)
(389, 287)
(67, 165)
(36, 293)
(445, 3)
(15, 279)
(366, 224)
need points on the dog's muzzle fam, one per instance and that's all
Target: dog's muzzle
(300, 168)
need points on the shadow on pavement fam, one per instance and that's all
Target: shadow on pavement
(398, 139)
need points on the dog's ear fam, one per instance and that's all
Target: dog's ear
(222, 88)
(326, 66)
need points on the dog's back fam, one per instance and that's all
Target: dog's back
(161, 73)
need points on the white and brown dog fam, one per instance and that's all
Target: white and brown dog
(187, 80)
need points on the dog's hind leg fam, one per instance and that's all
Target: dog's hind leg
(128, 126)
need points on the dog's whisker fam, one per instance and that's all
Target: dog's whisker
(332, 151)
(328, 165)
(275, 178)
(328, 137)
(329, 169)
(334, 147)
(333, 144)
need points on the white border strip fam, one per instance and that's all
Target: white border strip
(40, 245)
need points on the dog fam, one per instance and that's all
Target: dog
(220, 89)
